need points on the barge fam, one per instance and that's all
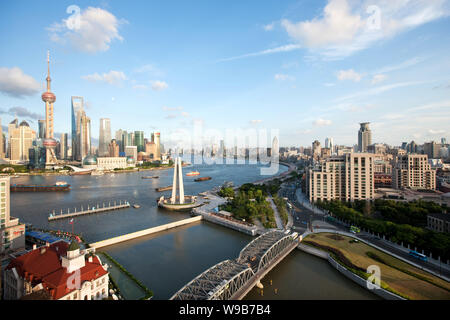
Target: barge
(202, 179)
(58, 186)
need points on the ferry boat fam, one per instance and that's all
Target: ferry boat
(163, 188)
(149, 177)
(136, 206)
(202, 179)
(192, 173)
(58, 186)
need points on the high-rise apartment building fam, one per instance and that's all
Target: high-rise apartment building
(21, 140)
(2, 153)
(12, 233)
(413, 171)
(431, 149)
(364, 137)
(104, 137)
(316, 150)
(77, 111)
(348, 177)
(119, 139)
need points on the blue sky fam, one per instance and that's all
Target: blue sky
(312, 69)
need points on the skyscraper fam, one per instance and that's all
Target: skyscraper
(41, 124)
(364, 137)
(77, 110)
(329, 144)
(139, 140)
(119, 139)
(104, 137)
(63, 146)
(21, 140)
(49, 142)
(85, 135)
(158, 146)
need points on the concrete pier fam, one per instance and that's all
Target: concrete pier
(93, 209)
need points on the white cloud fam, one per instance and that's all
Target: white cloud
(283, 77)
(349, 75)
(159, 85)
(346, 27)
(255, 121)
(378, 90)
(94, 30)
(112, 77)
(165, 108)
(322, 122)
(269, 27)
(185, 114)
(432, 131)
(285, 48)
(378, 78)
(15, 83)
(405, 64)
(433, 105)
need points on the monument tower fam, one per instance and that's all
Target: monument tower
(49, 142)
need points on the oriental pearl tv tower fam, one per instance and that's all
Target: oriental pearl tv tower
(49, 142)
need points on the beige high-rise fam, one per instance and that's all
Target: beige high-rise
(413, 171)
(348, 177)
(20, 141)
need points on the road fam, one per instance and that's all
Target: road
(303, 217)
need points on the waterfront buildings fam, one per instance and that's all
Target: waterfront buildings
(139, 141)
(413, 171)
(107, 163)
(12, 233)
(62, 271)
(63, 145)
(348, 177)
(113, 149)
(364, 137)
(77, 111)
(21, 138)
(85, 135)
(104, 137)
(131, 151)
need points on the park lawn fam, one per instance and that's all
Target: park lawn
(407, 284)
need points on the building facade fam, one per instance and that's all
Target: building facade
(347, 178)
(77, 112)
(113, 149)
(21, 140)
(63, 271)
(104, 137)
(364, 137)
(438, 222)
(85, 135)
(12, 233)
(413, 171)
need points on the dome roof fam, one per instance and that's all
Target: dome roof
(24, 124)
(90, 160)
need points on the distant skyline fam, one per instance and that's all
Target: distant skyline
(312, 69)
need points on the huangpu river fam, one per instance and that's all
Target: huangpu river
(166, 261)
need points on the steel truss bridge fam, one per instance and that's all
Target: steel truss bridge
(233, 279)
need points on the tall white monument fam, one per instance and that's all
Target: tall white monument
(177, 177)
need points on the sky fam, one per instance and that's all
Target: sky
(309, 69)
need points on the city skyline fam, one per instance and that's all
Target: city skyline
(308, 87)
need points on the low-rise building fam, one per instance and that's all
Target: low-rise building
(438, 222)
(64, 271)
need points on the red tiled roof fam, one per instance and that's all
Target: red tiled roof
(46, 268)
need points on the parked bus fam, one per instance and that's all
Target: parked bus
(417, 255)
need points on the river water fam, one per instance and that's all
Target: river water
(166, 261)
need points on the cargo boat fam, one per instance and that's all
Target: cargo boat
(58, 186)
(163, 188)
(149, 177)
(202, 179)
